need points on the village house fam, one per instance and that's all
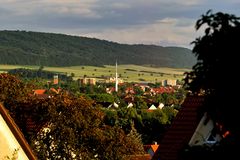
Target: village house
(191, 127)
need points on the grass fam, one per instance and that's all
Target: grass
(129, 73)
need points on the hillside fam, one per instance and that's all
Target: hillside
(48, 49)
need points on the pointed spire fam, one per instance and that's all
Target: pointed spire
(116, 79)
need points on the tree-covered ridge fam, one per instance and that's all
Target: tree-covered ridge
(40, 73)
(48, 49)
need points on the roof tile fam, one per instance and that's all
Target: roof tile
(181, 130)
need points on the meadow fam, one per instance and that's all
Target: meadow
(129, 73)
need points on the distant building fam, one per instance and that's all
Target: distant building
(113, 80)
(152, 107)
(91, 81)
(162, 90)
(55, 79)
(142, 85)
(113, 106)
(191, 127)
(169, 82)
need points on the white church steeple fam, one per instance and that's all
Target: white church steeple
(116, 79)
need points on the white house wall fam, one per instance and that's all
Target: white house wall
(202, 132)
(8, 143)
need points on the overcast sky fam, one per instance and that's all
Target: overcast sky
(160, 22)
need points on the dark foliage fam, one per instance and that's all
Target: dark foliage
(31, 74)
(33, 48)
(217, 54)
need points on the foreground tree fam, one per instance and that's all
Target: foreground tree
(76, 130)
(71, 127)
(217, 54)
(14, 95)
(12, 90)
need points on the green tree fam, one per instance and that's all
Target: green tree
(153, 125)
(127, 117)
(138, 91)
(41, 68)
(111, 116)
(140, 103)
(217, 54)
(104, 97)
(72, 75)
(12, 90)
(115, 138)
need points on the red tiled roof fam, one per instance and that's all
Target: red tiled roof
(181, 130)
(39, 91)
(161, 90)
(140, 157)
(154, 147)
(54, 90)
(130, 90)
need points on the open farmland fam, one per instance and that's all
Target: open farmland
(129, 73)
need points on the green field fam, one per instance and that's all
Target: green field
(129, 73)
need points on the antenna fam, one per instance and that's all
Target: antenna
(116, 79)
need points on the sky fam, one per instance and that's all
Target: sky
(157, 22)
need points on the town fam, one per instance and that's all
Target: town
(145, 107)
(95, 109)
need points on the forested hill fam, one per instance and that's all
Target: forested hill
(48, 49)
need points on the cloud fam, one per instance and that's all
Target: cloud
(166, 22)
(47, 14)
(84, 8)
(118, 5)
(162, 32)
(101, 13)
